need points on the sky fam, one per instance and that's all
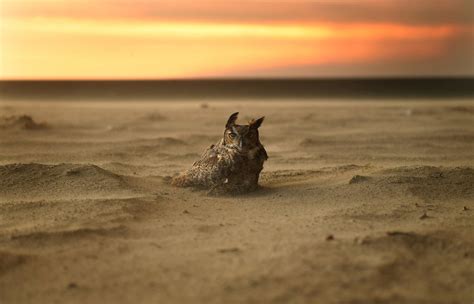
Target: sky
(169, 39)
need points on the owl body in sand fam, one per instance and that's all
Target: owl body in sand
(232, 165)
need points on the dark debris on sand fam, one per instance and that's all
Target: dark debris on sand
(356, 179)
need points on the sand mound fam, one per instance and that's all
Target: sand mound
(20, 122)
(10, 260)
(154, 117)
(34, 223)
(37, 181)
(430, 183)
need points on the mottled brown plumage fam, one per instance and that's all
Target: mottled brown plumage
(233, 165)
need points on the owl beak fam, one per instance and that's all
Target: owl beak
(240, 144)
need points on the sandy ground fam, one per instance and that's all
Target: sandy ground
(361, 202)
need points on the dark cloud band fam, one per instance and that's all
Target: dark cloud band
(339, 11)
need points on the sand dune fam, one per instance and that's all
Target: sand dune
(64, 181)
(426, 182)
(20, 122)
(368, 202)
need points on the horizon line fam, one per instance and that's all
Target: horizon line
(247, 79)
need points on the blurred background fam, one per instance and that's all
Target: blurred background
(93, 42)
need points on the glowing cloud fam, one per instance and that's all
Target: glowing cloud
(67, 39)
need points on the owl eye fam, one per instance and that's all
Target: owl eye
(232, 135)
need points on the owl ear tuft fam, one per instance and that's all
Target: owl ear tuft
(256, 123)
(232, 119)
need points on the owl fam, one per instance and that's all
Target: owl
(232, 165)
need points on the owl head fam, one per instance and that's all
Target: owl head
(244, 138)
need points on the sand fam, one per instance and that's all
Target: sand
(360, 202)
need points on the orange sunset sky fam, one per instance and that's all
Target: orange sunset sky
(145, 39)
